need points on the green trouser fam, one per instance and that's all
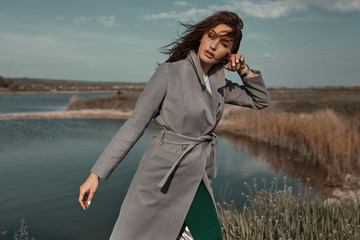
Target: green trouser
(202, 219)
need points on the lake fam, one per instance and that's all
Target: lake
(27, 103)
(43, 162)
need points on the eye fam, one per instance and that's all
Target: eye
(211, 35)
(226, 45)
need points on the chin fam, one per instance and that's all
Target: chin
(207, 60)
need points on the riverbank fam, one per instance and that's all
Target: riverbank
(6, 92)
(318, 126)
(85, 113)
(321, 140)
(271, 213)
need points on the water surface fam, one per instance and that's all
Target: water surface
(27, 103)
(43, 162)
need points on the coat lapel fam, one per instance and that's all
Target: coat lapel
(217, 81)
(196, 65)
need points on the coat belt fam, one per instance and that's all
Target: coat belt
(176, 138)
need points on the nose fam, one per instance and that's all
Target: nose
(213, 45)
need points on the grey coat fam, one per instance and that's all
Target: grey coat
(183, 153)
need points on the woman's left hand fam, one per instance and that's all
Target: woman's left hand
(236, 62)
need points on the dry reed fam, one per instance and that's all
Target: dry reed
(323, 137)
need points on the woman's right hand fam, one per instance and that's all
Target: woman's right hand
(87, 190)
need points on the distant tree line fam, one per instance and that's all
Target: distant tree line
(5, 83)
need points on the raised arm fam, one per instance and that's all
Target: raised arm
(252, 93)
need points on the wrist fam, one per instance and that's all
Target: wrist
(245, 71)
(93, 175)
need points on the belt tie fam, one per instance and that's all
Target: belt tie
(176, 138)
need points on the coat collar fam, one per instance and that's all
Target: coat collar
(217, 70)
(217, 82)
(196, 65)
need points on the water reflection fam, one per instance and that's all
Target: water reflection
(44, 161)
(281, 160)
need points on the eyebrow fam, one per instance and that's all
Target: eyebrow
(228, 41)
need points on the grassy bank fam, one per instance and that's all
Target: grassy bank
(319, 124)
(322, 126)
(277, 214)
(283, 214)
(123, 102)
(322, 137)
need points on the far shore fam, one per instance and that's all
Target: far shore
(85, 113)
(56, 92)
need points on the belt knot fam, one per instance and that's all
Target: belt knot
(176, 138)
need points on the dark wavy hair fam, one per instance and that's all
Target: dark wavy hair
(190, 39)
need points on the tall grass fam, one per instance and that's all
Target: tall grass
(283, 214)
(23, 232)
(322, 137)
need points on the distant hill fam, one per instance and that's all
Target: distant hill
(37, 84)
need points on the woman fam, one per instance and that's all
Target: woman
(185, 97)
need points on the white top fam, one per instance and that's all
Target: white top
(207, 83)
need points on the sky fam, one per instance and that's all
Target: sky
(294, 43)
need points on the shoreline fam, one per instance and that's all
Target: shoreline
(349, 190)
(56, 92)
(85, 113)
(334, 196)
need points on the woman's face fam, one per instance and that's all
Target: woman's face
(214, 45)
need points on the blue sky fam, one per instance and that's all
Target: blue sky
(295, 43)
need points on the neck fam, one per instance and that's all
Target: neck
(204, 66)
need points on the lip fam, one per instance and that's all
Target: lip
(208, 54)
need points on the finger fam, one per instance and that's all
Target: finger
(233, 62)
(89, 199)
(81, 199)
(242, 61)
(237, 61)
(85, 200)
(228, 55)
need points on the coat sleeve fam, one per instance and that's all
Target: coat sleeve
(252, 94)
(146, 107)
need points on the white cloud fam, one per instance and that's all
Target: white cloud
(315, 19)
(339, 5)
(259, 9)
(180, 3)
(191, 14)
(82, 20)
(108, 21)
(280, 8)
(268, 9)
(269, 55)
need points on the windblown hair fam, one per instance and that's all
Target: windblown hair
(190, 39)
